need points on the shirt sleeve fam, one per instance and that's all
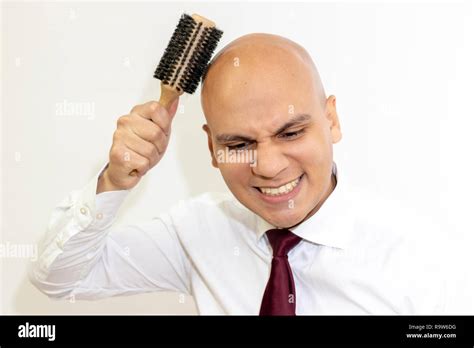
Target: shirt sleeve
(83, 255)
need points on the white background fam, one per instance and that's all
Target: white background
(402, 74)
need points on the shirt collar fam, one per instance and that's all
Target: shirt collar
(329, 226)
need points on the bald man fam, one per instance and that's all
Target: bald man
(291, 238)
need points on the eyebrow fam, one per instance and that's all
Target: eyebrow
(297, 120)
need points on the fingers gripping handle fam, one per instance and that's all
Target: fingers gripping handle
(168, 96)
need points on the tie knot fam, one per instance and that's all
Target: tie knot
(282, 241)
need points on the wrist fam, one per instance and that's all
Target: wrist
(104, 184)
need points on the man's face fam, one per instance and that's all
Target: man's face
(280, 115)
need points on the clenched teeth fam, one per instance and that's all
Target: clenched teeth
(284, 189)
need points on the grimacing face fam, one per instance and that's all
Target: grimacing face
(272, 102)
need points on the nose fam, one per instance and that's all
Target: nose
(270, 161)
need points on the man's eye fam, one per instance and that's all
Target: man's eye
(290, 135)
(240, 146)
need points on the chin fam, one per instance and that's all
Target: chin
(285, 220)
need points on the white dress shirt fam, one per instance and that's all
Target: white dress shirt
(359, 255)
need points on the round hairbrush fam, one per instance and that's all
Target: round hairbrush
(185, 59)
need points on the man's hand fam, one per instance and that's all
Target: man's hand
(139, 143)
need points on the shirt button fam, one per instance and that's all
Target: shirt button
(83, 211)
(99, 216)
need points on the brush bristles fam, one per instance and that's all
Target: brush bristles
(187, 54)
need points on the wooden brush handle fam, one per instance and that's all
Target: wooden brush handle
(168, 95)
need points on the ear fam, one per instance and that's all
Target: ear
(333, 119)
(205, 127)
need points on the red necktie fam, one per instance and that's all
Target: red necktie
(280, 296)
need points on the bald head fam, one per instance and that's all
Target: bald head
(257, 61)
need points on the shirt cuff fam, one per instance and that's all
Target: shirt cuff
(98, 211)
